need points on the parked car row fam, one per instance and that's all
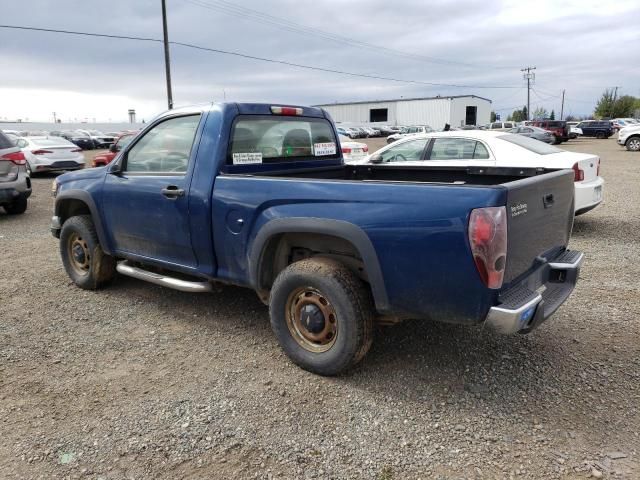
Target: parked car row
(85, 139)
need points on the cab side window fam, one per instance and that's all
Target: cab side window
(165, 148)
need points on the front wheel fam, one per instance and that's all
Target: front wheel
(600, 135)
(633, 144)
(322, 315)
(84, 260)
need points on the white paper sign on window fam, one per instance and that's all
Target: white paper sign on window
(247, 158)
(320, 149)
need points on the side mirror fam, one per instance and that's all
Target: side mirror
(377, 158)
(114, 148)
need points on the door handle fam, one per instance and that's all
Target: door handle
(548, 200)
(172, 192)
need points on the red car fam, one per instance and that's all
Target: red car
(104, 158)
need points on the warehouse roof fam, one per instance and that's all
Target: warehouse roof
(400, 100)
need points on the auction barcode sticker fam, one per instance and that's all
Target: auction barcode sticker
(324, 149)
(246, 158)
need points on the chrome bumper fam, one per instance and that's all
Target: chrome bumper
(523, 307)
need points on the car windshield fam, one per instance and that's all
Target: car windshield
(535, 146)
(78, 134)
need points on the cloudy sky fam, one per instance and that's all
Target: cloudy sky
(582, 46)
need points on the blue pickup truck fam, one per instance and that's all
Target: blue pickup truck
(258, 196)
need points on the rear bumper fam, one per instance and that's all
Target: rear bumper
(588, 195)
(526, 305)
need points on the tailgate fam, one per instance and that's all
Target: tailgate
(540, 217)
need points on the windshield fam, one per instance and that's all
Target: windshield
(281, 139)
(535, 146)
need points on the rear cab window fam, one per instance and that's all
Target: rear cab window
(5, 142)
(258, 139)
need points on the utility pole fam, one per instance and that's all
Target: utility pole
(167, 64)
(562, 107)
(615, 97)
(528, 76)
(55, 120)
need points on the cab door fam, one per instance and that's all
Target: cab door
(146, 198)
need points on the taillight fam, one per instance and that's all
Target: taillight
(41, 152)
(15, 157)
(365, 148)
(578, 173)
(346, 150)
(488, 241)
(286, 110)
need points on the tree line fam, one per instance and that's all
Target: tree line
(608, 106)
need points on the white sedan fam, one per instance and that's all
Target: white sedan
(353, 151)
(481, 148)
(49, 154)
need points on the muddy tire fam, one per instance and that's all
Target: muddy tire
(322, 315)
(83, 259)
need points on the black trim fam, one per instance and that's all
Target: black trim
(86, 198)
(336, 228)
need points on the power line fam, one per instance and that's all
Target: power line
(262, 59)
(288, 25)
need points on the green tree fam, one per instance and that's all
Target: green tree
(540, 113)
(553, 115)
(492, 117)
(604, 107)
(624, 106)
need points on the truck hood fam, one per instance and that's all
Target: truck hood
(86, 174)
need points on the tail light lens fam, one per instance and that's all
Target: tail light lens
(15, 157)
(365, 148)
(41, 152)
(346, 150)
(488, 241)
(578, 173)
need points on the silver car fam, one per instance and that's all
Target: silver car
(534, 132)
(15, 184)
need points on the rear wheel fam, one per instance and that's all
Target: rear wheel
(322, 315)
(633, 144)
(600, 135)
(83, 258)
(18, 206)
(556, 140)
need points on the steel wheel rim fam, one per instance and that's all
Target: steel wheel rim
(78, 253)
(299, 303)
(634, 145)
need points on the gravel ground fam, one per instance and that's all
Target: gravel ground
(137, 381)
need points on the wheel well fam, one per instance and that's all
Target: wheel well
(72, 207)
(284, 249)
(636, 135)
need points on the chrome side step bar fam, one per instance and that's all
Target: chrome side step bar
(125, 268)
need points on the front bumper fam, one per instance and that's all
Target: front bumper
(526, 305)
(56, 226)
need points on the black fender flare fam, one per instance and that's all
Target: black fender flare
(85, 198)
(336, 228)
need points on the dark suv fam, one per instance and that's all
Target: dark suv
(595, 128)
(15, 184)
(558, 128)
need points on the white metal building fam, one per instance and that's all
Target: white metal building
(456, 110)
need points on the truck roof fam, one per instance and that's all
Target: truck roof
(244, 109)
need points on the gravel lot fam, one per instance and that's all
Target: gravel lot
(137, 381)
